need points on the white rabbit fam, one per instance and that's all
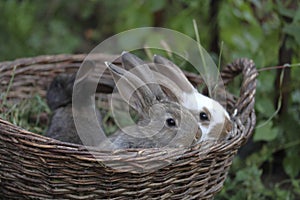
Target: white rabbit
(163, 122)
(213, 119)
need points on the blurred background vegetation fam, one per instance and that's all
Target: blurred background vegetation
(267, 31)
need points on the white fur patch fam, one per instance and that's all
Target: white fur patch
(197, 103)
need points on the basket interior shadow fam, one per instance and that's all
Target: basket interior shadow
(34, 166)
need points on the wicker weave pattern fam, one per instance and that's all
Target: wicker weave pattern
(33, 166)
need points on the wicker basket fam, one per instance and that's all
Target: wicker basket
(34, 166)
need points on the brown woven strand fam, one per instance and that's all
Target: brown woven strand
(33, 166)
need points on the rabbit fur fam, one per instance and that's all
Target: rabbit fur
(168, 88)
(213, 119)
(59, 100)
(163, 122)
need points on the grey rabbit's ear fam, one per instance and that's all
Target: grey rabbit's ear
(173, 72)
(60, 91)
(130, 85)
(142, 70)
(130, 61)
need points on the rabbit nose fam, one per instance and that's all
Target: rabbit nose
(228, 125)
(198, 134)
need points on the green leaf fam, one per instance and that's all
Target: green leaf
(297, 16)
(293, 30)
(265, 106)
(285, 11)
(265, 132)
(291, 165)
(296, 96)
(296, 185)
(155, 5)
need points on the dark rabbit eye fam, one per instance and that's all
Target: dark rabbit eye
(170, 122)
(57, 85)
(203, 116)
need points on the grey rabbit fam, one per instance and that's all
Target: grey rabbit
(213, 119)
(59, 100)
(163, 122)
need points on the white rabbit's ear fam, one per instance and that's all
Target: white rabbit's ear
(131, 87)
(173, 72)
(142, 70)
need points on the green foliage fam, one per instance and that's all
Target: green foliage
(265, 132)
(252, 29)
(245, 184)
(243, 34)
(30, 114)
(27, 30)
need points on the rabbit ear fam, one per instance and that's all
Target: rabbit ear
(129, 85)
(169, 87)
(130, 61)
(173, 72)
(142, 70)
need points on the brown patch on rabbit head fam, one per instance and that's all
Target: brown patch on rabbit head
(221, 131)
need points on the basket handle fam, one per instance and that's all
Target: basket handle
(244, 104)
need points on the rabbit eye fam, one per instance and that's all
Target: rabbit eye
(170, 122)
(203, 116)
(58, 85)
